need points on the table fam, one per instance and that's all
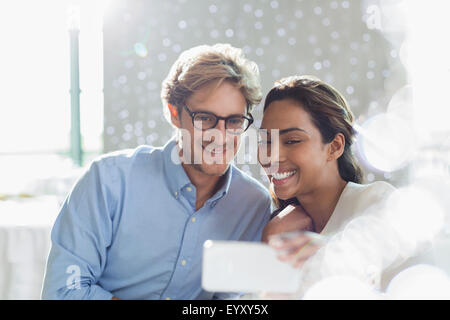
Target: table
(25, 226)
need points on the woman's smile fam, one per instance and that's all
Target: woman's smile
(282, 177)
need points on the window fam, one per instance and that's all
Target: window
(35, 77)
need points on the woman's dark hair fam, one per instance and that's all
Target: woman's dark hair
(329, 112)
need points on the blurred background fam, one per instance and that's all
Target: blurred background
(81, 78)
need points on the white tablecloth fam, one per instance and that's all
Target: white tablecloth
(25, 227)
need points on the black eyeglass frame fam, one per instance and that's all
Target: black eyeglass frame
(249, 118)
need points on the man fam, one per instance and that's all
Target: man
(134, 225)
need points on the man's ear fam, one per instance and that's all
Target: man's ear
(174, 115)
(336, 147)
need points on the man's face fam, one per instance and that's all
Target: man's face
(211, 151)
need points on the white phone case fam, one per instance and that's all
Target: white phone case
(238, 266)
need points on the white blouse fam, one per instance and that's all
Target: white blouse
(360, 241)
(356, 199)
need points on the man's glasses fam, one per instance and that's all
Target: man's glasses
(235, 124)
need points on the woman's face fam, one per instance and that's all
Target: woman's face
(300, 164)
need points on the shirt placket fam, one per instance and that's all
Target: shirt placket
(188, 246)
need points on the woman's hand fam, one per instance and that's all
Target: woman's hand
(296, 247)
(292, 218)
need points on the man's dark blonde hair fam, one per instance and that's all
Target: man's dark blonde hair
(206, 64)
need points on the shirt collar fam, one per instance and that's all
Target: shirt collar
(177, 178)
(175, 175)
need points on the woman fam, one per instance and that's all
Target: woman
(314, 168)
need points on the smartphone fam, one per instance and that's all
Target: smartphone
(251, 267)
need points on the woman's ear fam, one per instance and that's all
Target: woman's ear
(336, 148)
(174, 115)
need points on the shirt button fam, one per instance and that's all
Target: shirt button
(183, 262)
(176, 193)
(193, 219)
(189, 189)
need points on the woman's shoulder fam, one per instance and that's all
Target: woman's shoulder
(356, 200)
(367, 194)
(374, 188)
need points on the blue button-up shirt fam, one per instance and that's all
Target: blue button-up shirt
(129, 228)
